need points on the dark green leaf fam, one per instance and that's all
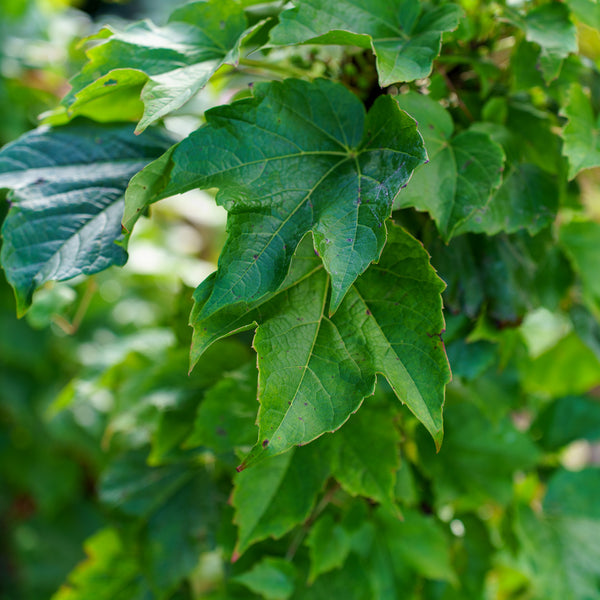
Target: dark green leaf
(366, 455)
(527, 199)
(315, 370)
(277, 494)
(226, 416)
(404, 35)
(168, 64)
(550, 27)
(272, 578)
(561, 548)
(329, 545)
(316, 163)
(478, 458)
(462, 172)
(566, 420)
(417, 541)
(587, 327)
(67, 200)
(580, 134)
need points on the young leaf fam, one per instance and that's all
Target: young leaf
(315, 370)
(277, 495)
(580, 135)
(462, 172)
(67, 200)
(404, 38)
(168, 64)
(272, 578)
(316, 163)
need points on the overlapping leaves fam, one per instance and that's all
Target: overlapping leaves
(167, 64)
(404, 34)
(462, 173)
(315, 369)
(295, 157)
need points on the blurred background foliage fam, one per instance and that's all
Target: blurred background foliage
(105, 440)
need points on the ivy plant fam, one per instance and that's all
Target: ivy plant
(398, 354)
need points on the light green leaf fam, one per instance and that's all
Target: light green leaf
(169, 64)
(580, 239)
(366, 455)
(315, 370)
(462, 172)
(581, 133)
(272, 578)
(277, 495)
(404, 37)
(109, 573)
(527, 199)
(328, 545)
(546, 373)
(316, 163)
(550, 27)
(587, 11)
(67, 187)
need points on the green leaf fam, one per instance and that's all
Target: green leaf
(109, 573)
(168, 64)
(272, 578)
(527, 199)
(366, 456)
(418, 541)
(478, 459)
(328, 544)
(276, 495)
(462, 172)
(67, 187)
(560, 550)
(178, 532)
(587, 11)
(315, 370)
(587, 327)
(225, 418)
(580, 241)
(566, 420)
(546, 373)
(404, 37)
(316, 163)
(581, 133)
(550, 27)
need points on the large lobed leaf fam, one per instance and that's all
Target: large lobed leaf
(293, 158)
(405, 38)
(67, 187)
(462, 173)
(167, 64)
(315, 370)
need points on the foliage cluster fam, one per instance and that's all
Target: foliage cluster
(411, 191)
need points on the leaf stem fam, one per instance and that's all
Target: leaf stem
(301, 533)
(275, 68)
(70, 328)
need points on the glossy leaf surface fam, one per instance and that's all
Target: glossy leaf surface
(67, 187)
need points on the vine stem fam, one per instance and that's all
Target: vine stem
(301, 534)
(265, 66)
(453, 89)
(70, 328)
